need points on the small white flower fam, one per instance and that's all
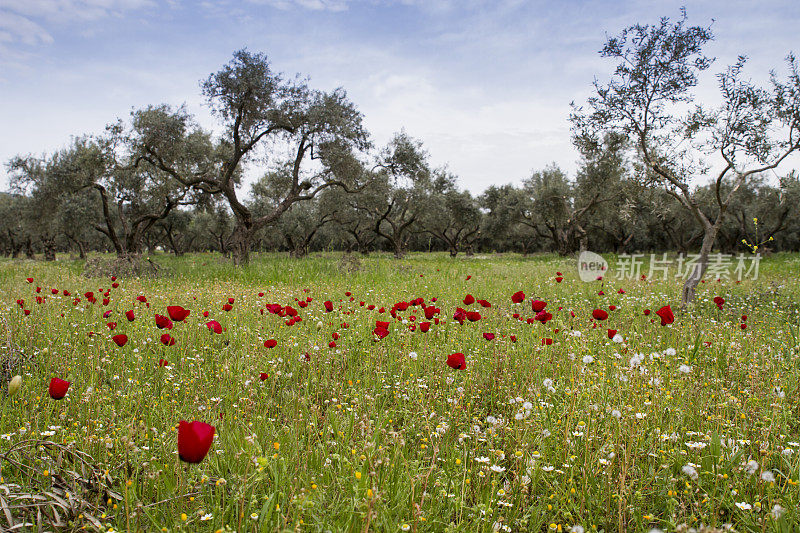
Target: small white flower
(576, 529)
(617, 338)
(670, 351)
(588, 359)
(751, 467)
(744, 506)
(413, 355)
(685, 369)
(207, 516)
(768, 476)
(497, 468)
(616, 413)
(691, 472)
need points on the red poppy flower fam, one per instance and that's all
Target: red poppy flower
(543, 317)
(473, 316)
(547, 342)
(328, 306)
(488, 336)
(141, 298)
(115, 285)
(111, 325)
(744, 318)
(58, 388)
(469, 299)
(518, 297)
(29, 280)
(332, 344)
(163, 322)
(177, 313)
(611, 333)
(646, 312)
(271, 343)
(120, 340)
(457, 361)
(381, 329)
(335, 336)
(424, 326)
(230, 301)
(484, 303)
(163, 362)
(263, 376)
(665, 313)
(167, 340)
(214, 326)
(513, 338)
(113, 278)
(538, 305)
(130, 315)
(719, 300)
(559, 279)
(599, 314)
(227, 307)
(194, 440)
(54, 291)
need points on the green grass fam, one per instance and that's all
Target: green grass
(366, 436)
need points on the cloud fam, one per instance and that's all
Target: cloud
(314, 5)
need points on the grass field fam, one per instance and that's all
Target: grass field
(333, 429)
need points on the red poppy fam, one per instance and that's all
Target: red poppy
(611, 333)
(230, 301)
(646, 312)
(214, 326)
(111, 325)
(543, 317)
(163, 362)
(599, 314)
(130, 316)
(513, 338)
(744, 318)
(468, 277)
(263, 376)
(460, 315)
(547, 342)
(424, 326)
(177, 313)
(488, 336)
(58, 388)
(473, 316)
(115, 285)
(328, 306)
(271, 343)
(538, 305)
(141, 298)
(484, 303)
(332, 344)
(381, 329)
(719, 300)
(167, 340)
(194, 440)
(163, 322)
(29, 280)
(666, 315)
(120, 340)
(227, 307)
(518, 297)
(457, 361)
(469, 299)
(335, 336)
(559, 279)
(113, 278)
(743, 326)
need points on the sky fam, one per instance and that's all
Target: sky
(484, 84)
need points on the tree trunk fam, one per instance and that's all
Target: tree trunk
(699, 270)
(49, 247)
(240, 241)
(29, 249)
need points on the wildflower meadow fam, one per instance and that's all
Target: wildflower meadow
(494, 393)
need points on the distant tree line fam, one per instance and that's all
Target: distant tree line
(159, 181)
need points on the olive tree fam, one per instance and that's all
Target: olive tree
(650, 98)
